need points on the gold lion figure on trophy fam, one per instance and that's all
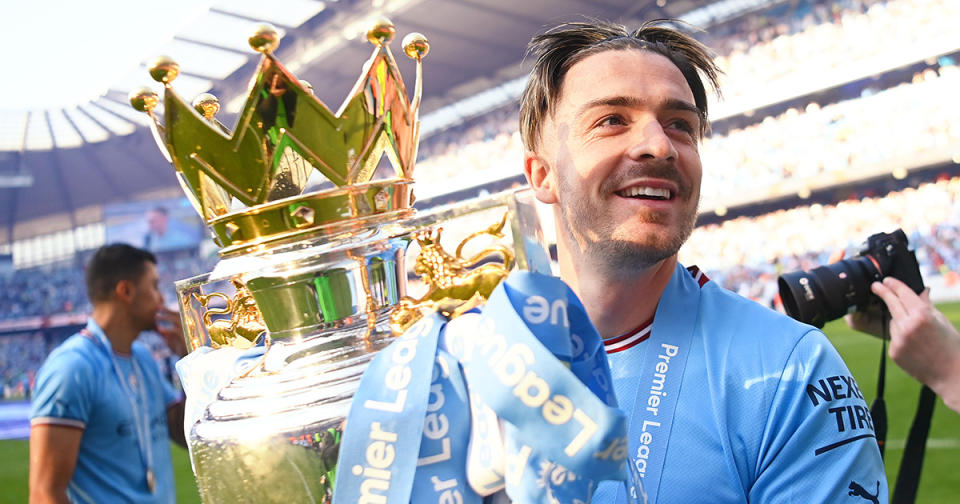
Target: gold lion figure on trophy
(245, 325)
(454, 288)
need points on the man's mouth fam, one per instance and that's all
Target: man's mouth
(650, 193)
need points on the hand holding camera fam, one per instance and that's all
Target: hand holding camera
(922, 341)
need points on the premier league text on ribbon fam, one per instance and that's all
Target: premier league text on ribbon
(436, 425)
(445, 430)
(510, 362)
(649, 428)
(376, 447)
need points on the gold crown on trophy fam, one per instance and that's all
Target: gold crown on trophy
(293, 169)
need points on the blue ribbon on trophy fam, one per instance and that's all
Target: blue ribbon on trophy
(515, 396)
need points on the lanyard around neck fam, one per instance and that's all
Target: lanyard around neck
(141, 422)
(661, 374)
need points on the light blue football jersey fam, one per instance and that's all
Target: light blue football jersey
(78, 387)
(767, 412)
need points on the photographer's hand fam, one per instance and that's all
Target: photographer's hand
(868, 320)
(922, 341)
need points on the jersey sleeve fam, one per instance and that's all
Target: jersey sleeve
(62, 394)
(818, 443)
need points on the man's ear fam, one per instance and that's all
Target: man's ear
(124, 290)
(541, 177)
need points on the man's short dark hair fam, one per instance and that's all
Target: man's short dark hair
(112, 263)
(557, 50)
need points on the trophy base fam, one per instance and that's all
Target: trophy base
(293, 466)
(273, 434)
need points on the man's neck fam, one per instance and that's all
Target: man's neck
(620, 302)
(119, 330)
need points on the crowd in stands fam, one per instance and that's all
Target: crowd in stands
(60, 288)
(22, 354)
(485, 149)
(834, 143)
(823, 39)
(20, 357)
(747, 254)
(42, 291)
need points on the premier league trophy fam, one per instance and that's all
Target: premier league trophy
(312, 282)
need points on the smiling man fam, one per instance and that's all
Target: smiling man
(728, 401)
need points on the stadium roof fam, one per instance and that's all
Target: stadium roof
(63, 156)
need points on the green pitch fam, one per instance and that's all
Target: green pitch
(940, 481)
(14, 456)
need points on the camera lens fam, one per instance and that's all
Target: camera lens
(825, 293)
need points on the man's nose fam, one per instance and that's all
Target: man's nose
(650, 141)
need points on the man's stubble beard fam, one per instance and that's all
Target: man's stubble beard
(614, 256)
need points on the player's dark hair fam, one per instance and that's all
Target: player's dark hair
(112, 263)
(557, 50)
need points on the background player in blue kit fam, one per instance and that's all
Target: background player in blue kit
(728, 401)
(101, 409)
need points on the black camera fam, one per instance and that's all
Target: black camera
(827, 292)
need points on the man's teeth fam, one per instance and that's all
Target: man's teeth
(649, 192)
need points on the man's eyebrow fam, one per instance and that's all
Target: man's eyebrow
(677, 104)
(634, 102)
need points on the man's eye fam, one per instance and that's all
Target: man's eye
(681, 125)
(612, 120)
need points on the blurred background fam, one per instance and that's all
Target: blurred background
(839, 119)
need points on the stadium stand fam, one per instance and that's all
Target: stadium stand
(59, 288)
(42, 291)
(20, 356)
(902, 127)
(822, 44)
